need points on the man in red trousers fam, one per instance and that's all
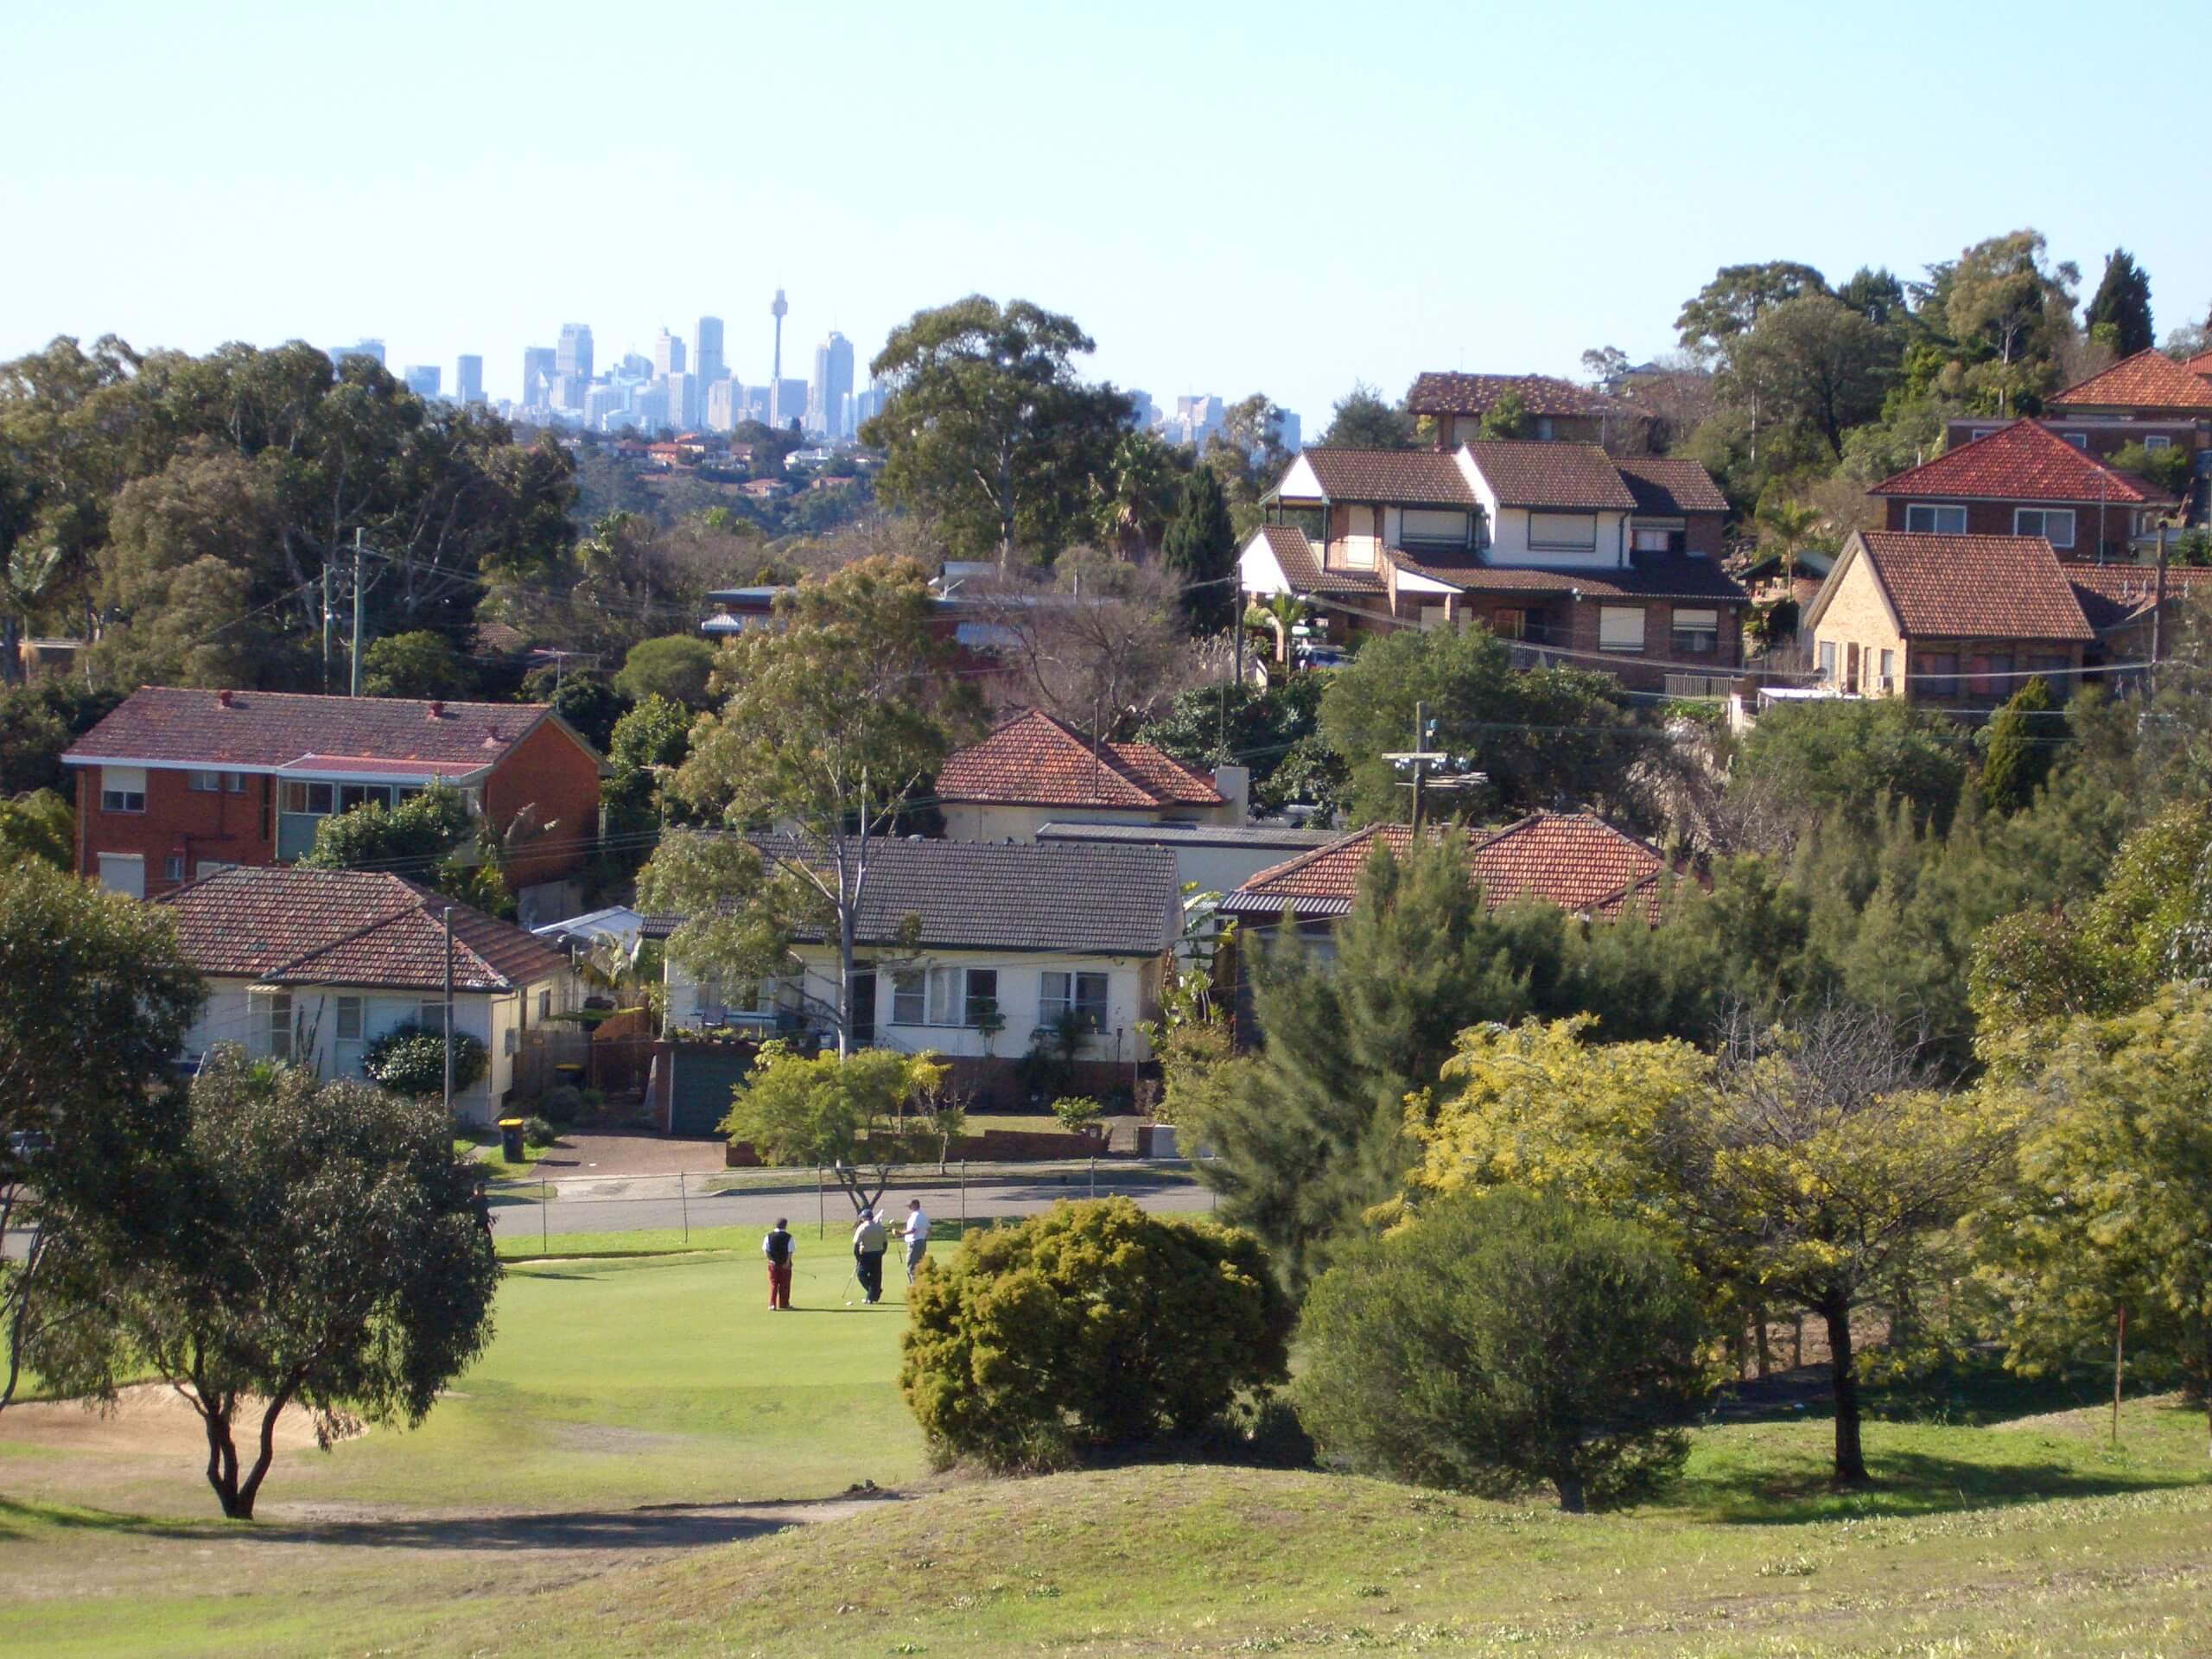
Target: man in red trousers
(780, 1251)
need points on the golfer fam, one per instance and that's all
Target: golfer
(780, 1251)
(868, 1241)
(917, 1237)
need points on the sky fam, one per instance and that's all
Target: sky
(1284, 198)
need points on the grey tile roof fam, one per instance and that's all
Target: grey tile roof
(1191, 834)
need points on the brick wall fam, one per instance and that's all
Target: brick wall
(547, 772)
(217, 827)
(1995, 518)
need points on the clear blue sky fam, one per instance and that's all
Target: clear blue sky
(1282, 198)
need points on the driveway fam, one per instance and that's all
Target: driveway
(625, 1153)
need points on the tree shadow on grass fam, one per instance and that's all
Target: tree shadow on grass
(1905, 1482)
(18, 1519)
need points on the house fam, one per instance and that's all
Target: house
(2025, 479)
(2120, 601)
(2147, 398)
(1208, 857)
(973, 951)
(312, 966)
(1945, 619)
(1557, 410)
(1034, 769)
(1555, 546)
(178, 782)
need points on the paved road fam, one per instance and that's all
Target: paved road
(631, 1204)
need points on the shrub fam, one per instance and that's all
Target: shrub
(537, 1132)
(564, 1104)
(411, 1059)
(1501, 1340)
(1077, 1114)
(1092, 1325)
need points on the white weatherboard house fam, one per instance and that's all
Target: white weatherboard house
(311, 966)
(1027, 931)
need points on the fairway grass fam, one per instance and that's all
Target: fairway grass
(544, 1509)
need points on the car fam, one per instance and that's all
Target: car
(1324, 657)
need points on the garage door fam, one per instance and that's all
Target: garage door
(699, 1098)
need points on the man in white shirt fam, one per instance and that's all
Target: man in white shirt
(917, 1237)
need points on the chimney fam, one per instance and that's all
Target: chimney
(437, 709)
(223, 699)
(1234, 784)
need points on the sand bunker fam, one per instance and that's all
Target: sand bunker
(147, 1417)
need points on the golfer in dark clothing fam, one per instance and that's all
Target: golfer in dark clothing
(780, 1251)
(868, 1241)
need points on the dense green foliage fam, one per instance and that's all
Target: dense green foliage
(1092, 1326)
(1200, 549)
(1501, 1339)
(675, 666)
(1276, 732)
(39, 824)
(411, 1059)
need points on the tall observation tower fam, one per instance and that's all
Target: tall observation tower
(776, 374)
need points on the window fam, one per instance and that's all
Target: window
(982, 995)
(1889, 680)
(545, 1007)
(1081, 994)
(430, 1014)
(511, 1043)
(271, 1013)
(1658, 538)
(2078, 440)
(1508, 624)
(1979, 432)
(1938, 673)
(1434, 617)
(2054, 524)
(123, 873)
(172, 867)
(353, 795)
(349, 1018)
(1990, 674)
(1359, 538)
(1926, 520)
(1575, 532)
(206, 866)
(907, 991)
(1424, 526)
(123, 789)
(1827, 659)
(1620, 627)
(319, 799)
(2157, 440)
(1697, 633)
(213, 783)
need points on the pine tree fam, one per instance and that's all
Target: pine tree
(1201, 548)
(2122, 304)
(2019, 754)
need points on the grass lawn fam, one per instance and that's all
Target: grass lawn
(543, 1508)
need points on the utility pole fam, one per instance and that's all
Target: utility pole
(2158, 614)
(325, 625)
(448, 921)
(1418, 760)
(353, 688)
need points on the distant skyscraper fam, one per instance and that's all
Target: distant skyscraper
(539, 364)
(422, 379)
(707, 352)
(1143, 412)
(668, 353)
(867, 405)
(788, 399)
(725, 404)
(777, 310)
(636, 365)
(371, 349)
(569, 392)
(683, 391)
(573, 355)
(1289, 433)
(468, 378)
(833, 386)
(606, 406)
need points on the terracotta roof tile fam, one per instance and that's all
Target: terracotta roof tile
(1653, 575)
(1438, 393)
(1575, 476)
(2200, 363)
(1303, 569)
(1417, 476)
(2150, 379)
(1972, 587)
(1576, 860)
(1668, 485)
(1034, 759)
(2112, 594)
(2024, 462)
(264, 730)
(286, 927)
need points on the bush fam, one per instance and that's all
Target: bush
(1077, 1114)
(1092, 1325)
(1502, 1340)
(537, 1132)
(411, 1059)
(564, 1104)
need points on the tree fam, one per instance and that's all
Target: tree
(2004, 303)
(1139, 495)
(2017, 752)
(332, 1251)
(1501, 1339)
(841, 1112)
(1092, 1326)
(833, 721)
(39, 824)
(84, 1069)
(588, 704)
(1546, 737)
(649, 744)
(1097, 642)
(1200, 549)
(2110, 1204)
(2122, 305)
(417, 664)
(1507, 417)
(1816, 362)
(411, 1059)
(677, 666)
(1877, 296)
(1848, 758)
(1788, 525)
(989, 430)
(1733, 303)
(1605, 364)
(1361, 420)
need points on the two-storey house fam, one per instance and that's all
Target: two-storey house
(179, 783)
(1454, 407)
(2028, 478)
(1033, 770)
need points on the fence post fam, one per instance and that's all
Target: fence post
(963, 1198)
(1094, 1175)
(821, 1206)
(544, 1216)
(684, 1198)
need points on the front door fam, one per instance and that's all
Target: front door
(863, 1031)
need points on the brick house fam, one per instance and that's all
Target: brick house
(312, 966)
(177, 784)
(1033, 770)
(2025, 479)
(2119, 601)
(1946, 619)
(1556, 546)
(1558, 410)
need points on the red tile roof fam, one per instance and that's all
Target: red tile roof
(1436, 393)
(1969, 587)
(1669, 485)
(2112, 594)
(1575, 476)
(1303, 569)
(1653, 575)
(2150, 379)
(1034, 759)
(1575, 861)
(286, 926)
(2200, 363)
(261, 731)
(2024, 462)
(1416, 476)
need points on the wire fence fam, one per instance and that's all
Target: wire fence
(699, 1208)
